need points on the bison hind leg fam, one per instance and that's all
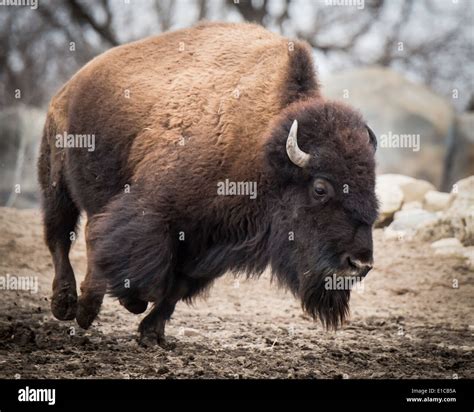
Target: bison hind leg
(60, 219)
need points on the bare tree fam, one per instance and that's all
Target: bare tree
(439, 59)
(82, 15)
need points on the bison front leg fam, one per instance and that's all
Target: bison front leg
(60, 219)
(152, 327)
(90, 301)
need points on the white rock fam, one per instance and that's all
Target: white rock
(449, 247)
(395, 190)
(462, 195)
(391, 234)
(469, 255)
(449, 242)
(190, 332)
(436, 201)
(390, 197)
(458, 220)
(415, 191)
(449, 225)
(412, 205)
(456, 253)
(409, 220)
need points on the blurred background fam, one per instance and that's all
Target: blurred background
(406, 65)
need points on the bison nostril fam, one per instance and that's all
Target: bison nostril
(359, 265)
(351, 263)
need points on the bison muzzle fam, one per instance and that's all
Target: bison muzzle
(172, 117)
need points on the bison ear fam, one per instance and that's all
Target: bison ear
(372, 137)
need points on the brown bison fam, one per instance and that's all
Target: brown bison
(182, 125)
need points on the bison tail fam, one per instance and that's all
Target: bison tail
(132, 249)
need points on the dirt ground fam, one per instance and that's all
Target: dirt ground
(407, 322)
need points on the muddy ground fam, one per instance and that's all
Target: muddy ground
(408, 322)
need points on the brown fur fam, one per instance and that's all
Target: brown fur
(176, 95)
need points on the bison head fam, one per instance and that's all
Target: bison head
(322, 167)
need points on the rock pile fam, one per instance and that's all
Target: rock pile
(412, 209)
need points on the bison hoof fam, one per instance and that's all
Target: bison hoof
(87, 310)
(148, 340)
(134, 305)
(64, 303)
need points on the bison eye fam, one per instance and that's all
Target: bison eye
(322, 189)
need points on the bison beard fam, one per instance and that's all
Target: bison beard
(330, 306)
(183, 131)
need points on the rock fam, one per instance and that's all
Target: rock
(436, 201)
(450, 246)
(461, 210)
(191, 332)
(411, 219)
(391, 234)
(394, 190)
(462, 195)
(415, 190)
(406, 222)
(448, 225)
(390, 197)
(411, 114)
(458, 220)
(412, 205)
(469, 255)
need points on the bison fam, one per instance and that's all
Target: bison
(171, 118)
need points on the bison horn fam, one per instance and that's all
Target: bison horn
(296, 155)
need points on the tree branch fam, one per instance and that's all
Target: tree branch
(83, 16)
